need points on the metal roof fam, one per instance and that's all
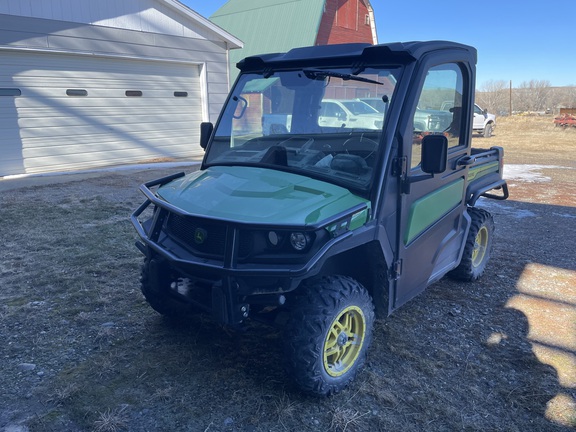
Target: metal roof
(232, 41)
(281, 25)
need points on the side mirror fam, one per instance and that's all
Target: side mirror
(206, 129)
(434, 154)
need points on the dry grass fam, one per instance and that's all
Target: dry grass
(111, 421)
(525, 139)
(346, 419)
(458, 357)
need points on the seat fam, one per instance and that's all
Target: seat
(278, 129)
(349, 163)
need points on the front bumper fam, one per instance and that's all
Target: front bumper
(234, 281)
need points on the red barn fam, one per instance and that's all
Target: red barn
(279, 25)
(346, 21)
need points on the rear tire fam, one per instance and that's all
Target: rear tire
(328, 334)
(478, 246)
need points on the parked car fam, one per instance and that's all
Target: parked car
(352, 113)
(425, 120)
(484, 122)
(375, 102)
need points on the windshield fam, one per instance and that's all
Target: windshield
(310, 122)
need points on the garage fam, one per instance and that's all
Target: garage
(106, 91)
(63, 112)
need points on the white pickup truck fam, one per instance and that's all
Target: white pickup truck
(484, 122)
(350, 113)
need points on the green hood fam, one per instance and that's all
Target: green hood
(258, 195)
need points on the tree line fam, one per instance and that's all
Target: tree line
(536, 96)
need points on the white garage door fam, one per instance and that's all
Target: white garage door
(62, 112)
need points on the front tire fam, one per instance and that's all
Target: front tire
(478, 246)
(488, 129)
(328, 334)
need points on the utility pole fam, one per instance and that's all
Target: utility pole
(510, 106)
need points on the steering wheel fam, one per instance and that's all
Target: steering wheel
(361, 146)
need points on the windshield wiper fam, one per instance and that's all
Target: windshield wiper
(318, 73)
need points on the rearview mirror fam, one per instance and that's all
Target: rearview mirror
(434, 154)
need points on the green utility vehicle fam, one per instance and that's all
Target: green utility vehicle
(319, 228)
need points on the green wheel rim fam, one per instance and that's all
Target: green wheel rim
(480, 246)
(344, 341)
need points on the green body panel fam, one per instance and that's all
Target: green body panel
(430, 208)
(355, 221)
(259, 195)
(482, 170)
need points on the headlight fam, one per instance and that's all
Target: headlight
(299, 241)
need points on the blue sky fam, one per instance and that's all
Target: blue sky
(517, 40)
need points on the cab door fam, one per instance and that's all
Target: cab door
(432, 222)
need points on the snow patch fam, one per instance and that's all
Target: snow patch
(503, 209)
(529, 173)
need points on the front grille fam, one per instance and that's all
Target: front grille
(205, 238)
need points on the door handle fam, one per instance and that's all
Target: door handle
(466, 161)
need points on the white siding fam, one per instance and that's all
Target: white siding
(35, 34)
(106, 47)
(46, 130)
(142, 15)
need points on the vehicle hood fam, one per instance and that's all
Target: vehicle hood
(257, 195)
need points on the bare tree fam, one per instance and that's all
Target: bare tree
(530, 96)
(571, 97)
(494, 96)
(564, 97)
(534, 95)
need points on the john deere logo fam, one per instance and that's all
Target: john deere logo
(200, 235)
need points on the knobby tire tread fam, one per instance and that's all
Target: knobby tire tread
(312, 311)
(466, 270)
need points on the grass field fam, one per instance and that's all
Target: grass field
(82, 351)
(529, 139)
